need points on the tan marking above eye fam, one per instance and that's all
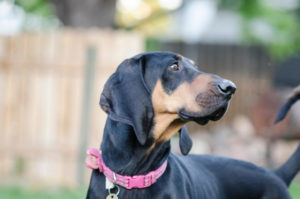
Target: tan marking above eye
(179, 57)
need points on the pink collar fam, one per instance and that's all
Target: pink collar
(94, 161)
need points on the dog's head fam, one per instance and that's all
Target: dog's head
(158, 92)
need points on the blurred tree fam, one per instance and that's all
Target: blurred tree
(87, 13)
(275, 25)
(76, 13)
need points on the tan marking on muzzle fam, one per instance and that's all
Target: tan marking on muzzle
(191, 61)
(166, 105)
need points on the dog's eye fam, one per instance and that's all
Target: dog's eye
(174, 67)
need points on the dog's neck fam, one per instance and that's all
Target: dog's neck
(123, 154)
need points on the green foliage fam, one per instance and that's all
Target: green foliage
(42, 8)
(284, 25)
(39, 14)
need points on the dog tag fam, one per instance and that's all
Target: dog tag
(112, 196)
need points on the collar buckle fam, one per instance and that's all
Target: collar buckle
(137, 181)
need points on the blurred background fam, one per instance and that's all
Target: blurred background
(55, 56)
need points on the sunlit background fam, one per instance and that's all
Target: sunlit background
(55, 56)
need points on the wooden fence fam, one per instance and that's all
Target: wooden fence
(50, 83)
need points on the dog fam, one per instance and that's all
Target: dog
(150, 98)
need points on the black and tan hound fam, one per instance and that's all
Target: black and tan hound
(148, 99)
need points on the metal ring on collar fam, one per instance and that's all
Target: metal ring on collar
(118, 190)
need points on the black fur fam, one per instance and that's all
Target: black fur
(289, 170)
(185, 142)
(287, 106)
(128, 135)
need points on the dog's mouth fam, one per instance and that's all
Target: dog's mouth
(204, 117)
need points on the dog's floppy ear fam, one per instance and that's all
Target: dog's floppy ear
(185, 142)
(126, 99)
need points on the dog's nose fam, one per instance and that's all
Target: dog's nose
(226, 87)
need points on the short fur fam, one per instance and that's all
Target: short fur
(295, 96)
(139, 126)
(289, 170)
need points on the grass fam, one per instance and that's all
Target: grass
(22, 193)
(295, 189)
(60, 193)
